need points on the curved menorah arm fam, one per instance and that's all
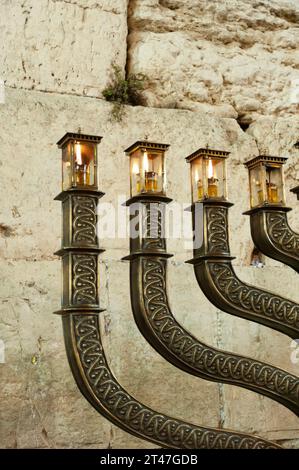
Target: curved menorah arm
(219, 282)
(272, 234)
(99, 386)
(154, 318)
(80, 310)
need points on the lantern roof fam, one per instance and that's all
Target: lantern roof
(266, 159)
(206, 153)
(82, 137)
(146, 145)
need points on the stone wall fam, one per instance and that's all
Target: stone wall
(236, 58)
(40, 403)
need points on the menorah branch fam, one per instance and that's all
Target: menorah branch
(273, 236)
(219, 282)
(155, 320)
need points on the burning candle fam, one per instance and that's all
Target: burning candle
(272, 192)
(150, 177)
(212, 181)
(82, 177)
(151, 183)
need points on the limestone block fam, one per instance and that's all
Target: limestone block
(41, 404)
(235, 54)
(62, 46)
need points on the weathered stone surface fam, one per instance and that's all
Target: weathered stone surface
(227, 57)
(66, 46)
(41, 404)
(39, 398)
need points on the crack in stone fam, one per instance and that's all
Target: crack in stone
(95, 6)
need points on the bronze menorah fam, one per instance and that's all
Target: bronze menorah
(148, 286)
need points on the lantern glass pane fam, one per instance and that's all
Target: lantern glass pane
(66, 167)
(197, 179)
(257, 193)
(274, 184)
(135, 172)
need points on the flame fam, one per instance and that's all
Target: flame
(78, 154)
(210, 169)
(196, 175)
(145, 161)
(135, 168)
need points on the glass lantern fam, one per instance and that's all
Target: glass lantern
(79, 161)
(208, 174)
(266, 180)
(147, 168)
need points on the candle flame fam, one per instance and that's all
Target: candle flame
(210, 169)
(78, 154)
(135, 168)
(145, 161)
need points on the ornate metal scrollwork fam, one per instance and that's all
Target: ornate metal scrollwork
(219, 282)
(84, 220)
(281, 234)
(156, 322)
(217, 230)
(93, 375)
(152, 227)
(273, 236)
(85, 279)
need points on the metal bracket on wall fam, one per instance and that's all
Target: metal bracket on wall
(272, 234)
(296, 191)
(155, 320)
(219, 282)
(80, 315)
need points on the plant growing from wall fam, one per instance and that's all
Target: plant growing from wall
(124, 91)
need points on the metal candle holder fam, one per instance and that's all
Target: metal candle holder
(270, 229)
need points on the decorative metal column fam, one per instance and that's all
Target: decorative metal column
(214, 270)
(155, 320)
(270, 229)
(80, 315)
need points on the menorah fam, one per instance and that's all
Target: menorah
(148, 287)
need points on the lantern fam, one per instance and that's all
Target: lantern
(79, 161)
(208, 174)
(266, 180)
(147, 168)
